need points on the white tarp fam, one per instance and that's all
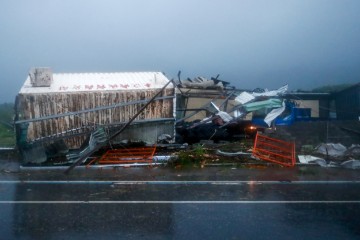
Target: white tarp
(274, 114)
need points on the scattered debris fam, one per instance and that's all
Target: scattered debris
(231, 154)
(331, 149)
(353, 150)
(353, 164)
(226, 121)
(308, 159)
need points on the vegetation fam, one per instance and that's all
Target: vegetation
(191, 158)
(331, 88)
(200, 155)
(327, 88)
(7, 134)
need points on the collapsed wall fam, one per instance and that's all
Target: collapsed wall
(78, 103)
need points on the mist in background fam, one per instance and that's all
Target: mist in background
(264, 43)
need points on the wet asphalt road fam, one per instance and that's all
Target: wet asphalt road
(214, 203)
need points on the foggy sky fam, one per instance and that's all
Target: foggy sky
(264, 43)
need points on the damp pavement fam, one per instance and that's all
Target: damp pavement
(304, 202)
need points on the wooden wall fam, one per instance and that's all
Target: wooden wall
(30, 106)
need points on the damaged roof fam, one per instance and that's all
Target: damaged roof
(83, 82)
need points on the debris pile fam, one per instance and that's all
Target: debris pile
(334, 155)
(231, 124)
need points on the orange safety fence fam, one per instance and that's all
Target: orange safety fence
(274, 150)
(128, 155)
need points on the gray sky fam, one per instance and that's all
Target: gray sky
(252, 43)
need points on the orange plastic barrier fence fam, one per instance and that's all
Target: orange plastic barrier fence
(274, 150)
(128, 155)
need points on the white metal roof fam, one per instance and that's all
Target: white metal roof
(84, 82)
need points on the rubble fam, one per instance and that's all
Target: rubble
(337, 154)
(267, 108)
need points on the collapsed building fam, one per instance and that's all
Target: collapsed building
(211, 109)
(74, 114)
(62, 110)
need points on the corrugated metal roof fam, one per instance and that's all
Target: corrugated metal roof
(80, 82)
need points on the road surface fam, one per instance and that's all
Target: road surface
(216, 203)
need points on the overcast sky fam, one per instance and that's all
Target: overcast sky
(250, 43)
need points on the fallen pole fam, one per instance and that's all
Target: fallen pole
(96, 148)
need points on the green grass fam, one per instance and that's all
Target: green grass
(7, 137)
(7, 134)
(190, 158)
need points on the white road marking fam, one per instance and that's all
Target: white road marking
(176, 182)
(182, 202)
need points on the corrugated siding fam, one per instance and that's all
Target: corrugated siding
(30, 106)
(348, 103)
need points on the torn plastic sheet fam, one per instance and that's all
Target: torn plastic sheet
(272, 93)
(270, 103)
(274, 114)
(331, 149)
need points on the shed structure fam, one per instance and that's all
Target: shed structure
(69, 106)
(347, 103)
